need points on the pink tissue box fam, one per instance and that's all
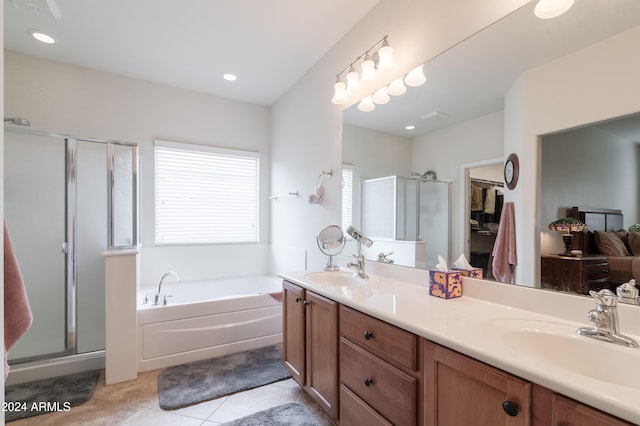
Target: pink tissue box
(471, 273)
(446, 285)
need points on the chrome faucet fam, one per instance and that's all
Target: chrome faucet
(156, 300)
(359, 265)
(384, 258)
(605, 320)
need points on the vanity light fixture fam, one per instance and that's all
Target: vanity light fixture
(547, 9)
(358, 84)
(415, 77)
(386, 63)
(366, 104)
(380, 96)
(353, 82)
(363, 85)
(368, 67)
(397, 87)
(340, 96)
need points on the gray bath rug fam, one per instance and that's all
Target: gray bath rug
(199, 381)
(44, 396)
(293, 414)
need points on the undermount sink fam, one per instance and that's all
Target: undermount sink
(334, 278)
(559, 345)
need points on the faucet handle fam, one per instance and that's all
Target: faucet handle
(604, 297)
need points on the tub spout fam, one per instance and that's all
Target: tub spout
(156, 301)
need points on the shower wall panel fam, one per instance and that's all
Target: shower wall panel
(35, 214)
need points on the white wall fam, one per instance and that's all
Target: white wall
(595, 84)
(373, 155)
(63, 98)
(306, 127)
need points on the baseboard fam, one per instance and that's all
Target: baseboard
(46, 369)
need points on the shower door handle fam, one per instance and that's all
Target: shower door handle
(64, 248)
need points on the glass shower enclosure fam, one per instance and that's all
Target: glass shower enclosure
(67, 201)
(398, 208)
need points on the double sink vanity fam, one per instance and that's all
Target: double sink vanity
(381, 351)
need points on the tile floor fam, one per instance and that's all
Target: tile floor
(135, 403)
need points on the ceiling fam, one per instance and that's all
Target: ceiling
(471, 79)
(189, 44)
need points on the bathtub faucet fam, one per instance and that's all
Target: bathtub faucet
(156, 301)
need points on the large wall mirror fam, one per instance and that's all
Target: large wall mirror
(459, 121)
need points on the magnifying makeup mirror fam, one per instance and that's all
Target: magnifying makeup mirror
(331, 241)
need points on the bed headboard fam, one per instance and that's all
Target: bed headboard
(596, 219)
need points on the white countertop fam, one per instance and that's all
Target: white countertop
(470, 325)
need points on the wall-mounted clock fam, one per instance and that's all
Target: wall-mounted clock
(511, 171)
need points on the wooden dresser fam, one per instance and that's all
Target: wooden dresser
(577, 274)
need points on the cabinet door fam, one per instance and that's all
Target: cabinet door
(463, 391)
(293, 346)
(567, 412)
(322, 352)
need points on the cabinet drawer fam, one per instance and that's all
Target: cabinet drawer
(388, 390)
(384, 340)
(598, 271)
(355, 412)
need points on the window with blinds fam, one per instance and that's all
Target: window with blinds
(347, 195)
(205, 195)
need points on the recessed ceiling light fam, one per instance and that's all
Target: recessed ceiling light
(230, 77)
(40, 36)
(409, 127)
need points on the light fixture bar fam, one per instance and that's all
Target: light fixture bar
(352, 85)
(359, 58)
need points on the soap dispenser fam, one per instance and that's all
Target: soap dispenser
(628, 293)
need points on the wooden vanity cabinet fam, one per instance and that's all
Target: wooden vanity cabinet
(364, 371)
(462, 391)
(380, 372)
(310, 344)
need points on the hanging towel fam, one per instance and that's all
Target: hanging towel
(476, 199)
(17, 312)
(504, 249)
(490, 201)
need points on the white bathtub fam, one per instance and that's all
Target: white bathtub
(203, 319)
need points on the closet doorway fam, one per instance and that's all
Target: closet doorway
(484, 199)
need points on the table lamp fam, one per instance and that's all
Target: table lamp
(567, 226)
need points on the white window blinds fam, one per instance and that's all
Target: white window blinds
(347, 195)
(205, 195)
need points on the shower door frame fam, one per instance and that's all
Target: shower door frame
(69, 246)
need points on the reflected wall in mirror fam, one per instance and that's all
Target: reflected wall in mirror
(460, 114)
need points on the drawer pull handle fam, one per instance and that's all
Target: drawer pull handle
(368, 381)
(298, 299)
(511, 408)
(368, 335)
